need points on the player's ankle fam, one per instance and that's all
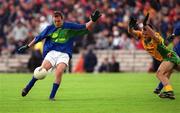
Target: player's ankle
(168, 88)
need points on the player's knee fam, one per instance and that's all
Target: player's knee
(59, 71)
(46, 64)
(60, 68)
(160, 72)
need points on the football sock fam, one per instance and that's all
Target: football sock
(160, 86)
(31, 84)
(54, 90)
(168, 88)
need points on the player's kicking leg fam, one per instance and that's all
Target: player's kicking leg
(47, 65)
(60, 68)
(162, 75)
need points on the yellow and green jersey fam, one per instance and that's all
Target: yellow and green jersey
(157, 49)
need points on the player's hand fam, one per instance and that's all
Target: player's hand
(23, 48)
(146, 19)
(132, 23)
(95, 16)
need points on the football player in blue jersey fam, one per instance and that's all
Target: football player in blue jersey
(57, 50)
(176, 33)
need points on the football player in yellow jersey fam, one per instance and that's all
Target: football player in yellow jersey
(153, 43)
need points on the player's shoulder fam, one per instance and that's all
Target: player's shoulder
(67, 23)
(159, 37)
(71, 25)
(50, 26)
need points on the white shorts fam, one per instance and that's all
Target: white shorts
(56, 57)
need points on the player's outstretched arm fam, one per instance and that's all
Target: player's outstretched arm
(38, 38)
(27, 46)
(94, 17)
(152, 33)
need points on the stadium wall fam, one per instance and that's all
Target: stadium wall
(130, 61)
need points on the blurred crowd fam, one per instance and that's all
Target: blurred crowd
(22, 20)
(88, 62)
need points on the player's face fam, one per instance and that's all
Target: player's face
(58, 21)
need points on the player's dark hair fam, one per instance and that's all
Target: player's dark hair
(56, 12)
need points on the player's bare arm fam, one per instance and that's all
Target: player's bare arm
(31, 43)
(152, 33)
(25, 47)
(94, 17)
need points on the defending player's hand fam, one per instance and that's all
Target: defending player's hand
(95, 16)
(23, 48)
(132, 23)
(146, 19)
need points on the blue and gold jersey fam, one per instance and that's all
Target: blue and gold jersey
(61, 39)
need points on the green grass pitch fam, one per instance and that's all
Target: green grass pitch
(88, 93)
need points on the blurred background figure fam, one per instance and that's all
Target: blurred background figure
(114, 65)
(105, 66)
(90, 60)
(79, 66)
(36, 57)
(109, 65)
(35, 60)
